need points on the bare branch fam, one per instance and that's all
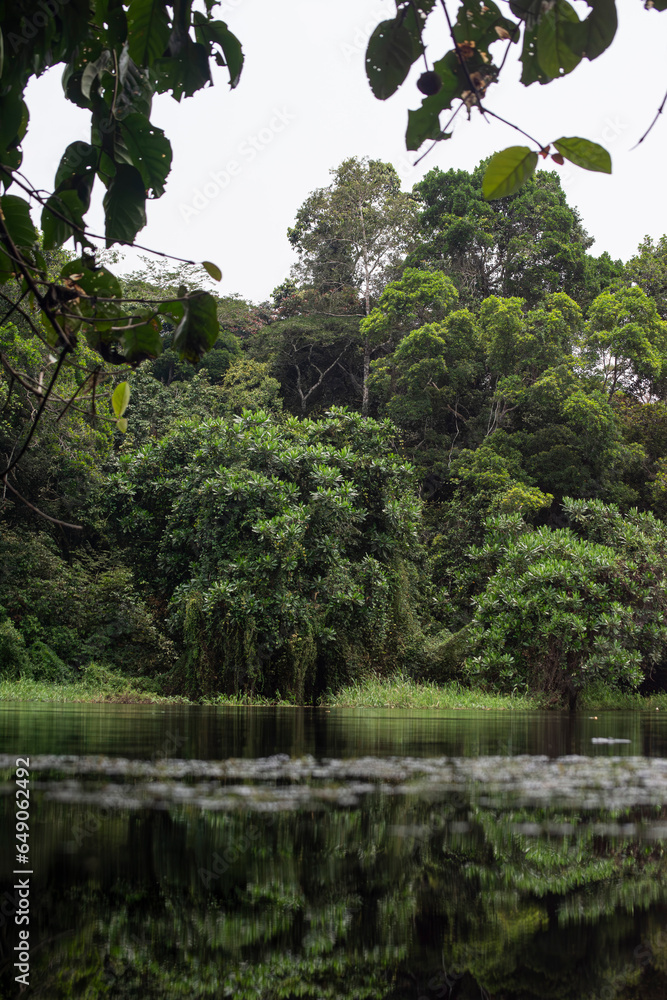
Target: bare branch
(658, 113)
(53, 520)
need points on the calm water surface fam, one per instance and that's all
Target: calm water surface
(267, 853)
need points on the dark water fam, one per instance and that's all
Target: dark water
(264, 853)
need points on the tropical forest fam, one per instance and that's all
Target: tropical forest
(333, 620)
(437, 450)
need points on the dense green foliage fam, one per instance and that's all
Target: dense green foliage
(288, 549)
(460, 474)
(115, 58)
(351, 237)
(527, 246)
(565, 608)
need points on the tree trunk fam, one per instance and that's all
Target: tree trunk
(367, 303)
(367, 371)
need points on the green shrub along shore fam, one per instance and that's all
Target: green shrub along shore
(444, 489)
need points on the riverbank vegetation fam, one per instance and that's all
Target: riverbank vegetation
(414, 474)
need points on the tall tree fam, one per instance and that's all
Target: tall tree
(529, 244)
(355, 233)
(315, 358)
(648, 269)
(627, 342)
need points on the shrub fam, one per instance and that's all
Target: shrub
(566, 608)
(85, 609)
(14, 660)
(45, 665)
(289, 549)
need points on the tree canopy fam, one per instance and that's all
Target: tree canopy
(527, 244)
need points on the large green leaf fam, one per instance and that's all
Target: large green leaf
(198, 330)
(186, 72)
(62, 217)
(93, 280)
(531, 72)
(212, 270)
(149, 150)
(77, 164)
(141, 341)
(148, 30)
(103, 290)
(586, 154)
(16, 215)
(174, 310)
(508, 171)
(96, 281)
(477, 23)
(124, 205)
(592, 36)
(391, 51)
(120, 399)
(63, 214)
(135, 93)
(13, 123)
(93, 71)
(554, 53)
(217, 33)
(423, 124)
(526, 10)
(116, 24)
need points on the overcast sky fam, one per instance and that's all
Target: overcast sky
(244, 160)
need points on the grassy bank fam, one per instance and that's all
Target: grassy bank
(97, 683)
(403, 692)
(102, 684)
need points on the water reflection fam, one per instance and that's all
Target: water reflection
(141, 731)
(411, 889)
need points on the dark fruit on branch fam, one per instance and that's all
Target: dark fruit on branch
(429, 83)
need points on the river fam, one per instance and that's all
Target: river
(182, 852)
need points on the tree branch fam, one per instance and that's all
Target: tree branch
(658, 113)
(53, 520)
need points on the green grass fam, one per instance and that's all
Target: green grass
(250, 700)
(403, 692)
(99, 683)
(603, 697)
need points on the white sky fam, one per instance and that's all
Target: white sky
(303, 105)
